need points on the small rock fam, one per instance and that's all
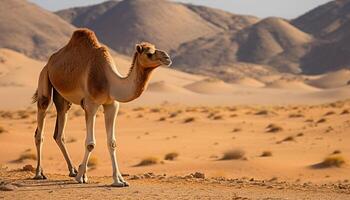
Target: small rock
(7, 187)
(135, 177)
(28, 168)
(198, 175)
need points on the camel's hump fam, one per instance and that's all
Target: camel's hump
(84, 37)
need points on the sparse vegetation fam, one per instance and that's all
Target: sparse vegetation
(262, 112)
(336, 152)
(26, 156)
(296, 115)
(344, 112)
(322, 120)
(331, 161)
(300, 134)
(236, 130)
(162, 119)
(2, 130)
(93, 162)
(171, 156)
(266, 154)
(329, 113)
(148, 161)
(235, 154)
(71, 140)
(189, 119)
(288, 139)
(218, 117)
(273, 128)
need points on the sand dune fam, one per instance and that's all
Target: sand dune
(290, 85)
(162, 86)
(210, 86)
(246, 81)
(332, 80)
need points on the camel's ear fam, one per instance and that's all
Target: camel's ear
(139, 48)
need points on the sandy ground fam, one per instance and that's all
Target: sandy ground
(160, 187)
(300, 138)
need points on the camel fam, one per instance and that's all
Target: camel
(83, 72)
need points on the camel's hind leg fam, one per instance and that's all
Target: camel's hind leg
(43, 98)
(62, 107)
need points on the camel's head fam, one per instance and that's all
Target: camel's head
(150, 57)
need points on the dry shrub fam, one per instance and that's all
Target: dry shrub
(218, 117)
(189, 120)
(148, 161)
(336, 152)
(288, 139)
(26, 156)
(344, 112)
(235, 154)
(138, 109)
(71, 140)
(331, 161)
(174, 114)
(300, 134)
(171, 156)
(266, 154)
(236, 130)
(322, 120)
(296, 115)
(329, 113)
(92, 162)
(162, 119)
(2, 130)
(273, 128)
(262, 112)
(155, 110)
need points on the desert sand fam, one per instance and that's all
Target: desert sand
(250, 139)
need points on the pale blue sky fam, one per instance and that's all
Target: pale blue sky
(261, 8)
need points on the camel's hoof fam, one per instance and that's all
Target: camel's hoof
(81, 179)
(40, 176)
(126, 184)
(119, 184)
(73, 173)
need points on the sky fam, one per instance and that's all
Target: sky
(262, 8)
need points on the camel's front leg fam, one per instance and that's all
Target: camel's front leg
(90, 116)
(111, 111)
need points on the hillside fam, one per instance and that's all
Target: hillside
(31, 30)
(121, 23)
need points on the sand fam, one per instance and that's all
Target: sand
(200, 119)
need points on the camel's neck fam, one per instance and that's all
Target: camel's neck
(125, 89)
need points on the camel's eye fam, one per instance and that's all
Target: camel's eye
(149, 55)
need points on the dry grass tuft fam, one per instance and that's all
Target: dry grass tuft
(26, 156)
(189, 119)
(235, 154)
(162, 119)
(218, 117)
(329, 113)
(322, 120)
(71, 140)
(171, 156)
(288, 139)
(345, 112)
(2, 130)
(266, 154)
(273, 128)
(148, 161)
(336, 152)
(262, 112)
(92, 162)
(297, 115)
(331, 161)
